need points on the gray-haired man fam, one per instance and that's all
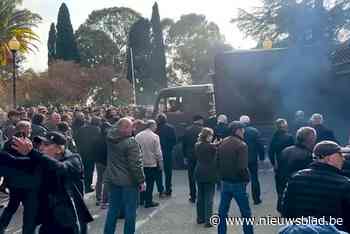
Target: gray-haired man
(152, 159)
(298, 156)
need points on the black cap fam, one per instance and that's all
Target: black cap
(52, 138)
(234, 125)
(326, 148)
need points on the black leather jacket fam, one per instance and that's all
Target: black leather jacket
(318, 191)
(62, 193)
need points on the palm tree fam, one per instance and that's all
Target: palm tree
(18, 23)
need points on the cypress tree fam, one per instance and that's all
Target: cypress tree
(51, 44)
(66, 46)
(158, 60)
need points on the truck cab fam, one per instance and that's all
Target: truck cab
(180, 104)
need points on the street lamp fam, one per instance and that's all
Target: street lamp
(14, 46)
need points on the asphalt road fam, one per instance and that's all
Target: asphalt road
(176, 215)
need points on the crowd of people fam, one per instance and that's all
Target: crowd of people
(49, 156)
(311, 171)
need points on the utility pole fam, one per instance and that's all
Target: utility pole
(133, 76)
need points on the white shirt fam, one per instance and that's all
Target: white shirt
(150, 147)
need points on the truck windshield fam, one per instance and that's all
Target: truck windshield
(171, 104)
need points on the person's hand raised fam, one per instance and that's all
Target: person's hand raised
(22, 145)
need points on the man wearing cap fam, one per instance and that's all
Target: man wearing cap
(321, 190)
(62, 173)
(188, 144)
(234, 175)
(255, 150)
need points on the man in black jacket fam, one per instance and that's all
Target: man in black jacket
(255, 149)
(20, 190)
(280, 140)
(38, 128)
(299, 122)
(188, 145)
(321, 190)
(296, 157)
(62, 208)
(9, 127)
(167, 138)
(51, 124)
(323, 133)
(87, 138)
(346, 166)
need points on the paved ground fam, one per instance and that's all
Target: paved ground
(176, 215)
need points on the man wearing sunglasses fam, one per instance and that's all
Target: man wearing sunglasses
(320, 190)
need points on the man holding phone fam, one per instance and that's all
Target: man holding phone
(21, 190)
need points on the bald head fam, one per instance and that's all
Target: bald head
(23, 124)
(125, 127)
(299, 115)
(152, 124)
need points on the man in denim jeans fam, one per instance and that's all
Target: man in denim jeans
(124, 176)
(234, 174)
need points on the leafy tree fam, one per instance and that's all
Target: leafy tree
(296, 22)
(115, 91)
(51, 44)
(101, 89)
(66, 47)
(158, 60)
(19, 23)
(103, 38)
(68, 83)
(103, 41)
(95, 47)
(192, 43)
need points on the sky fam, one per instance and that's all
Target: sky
(219, 12)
